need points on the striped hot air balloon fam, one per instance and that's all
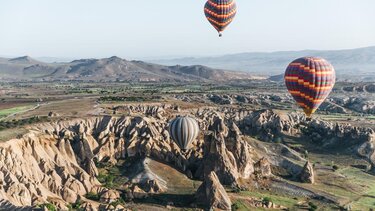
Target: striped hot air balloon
(310, 80)
(184, 130)
(220, 13)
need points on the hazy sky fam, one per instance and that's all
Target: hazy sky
(150, 28)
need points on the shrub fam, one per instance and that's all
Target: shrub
(76, 206)
(49, 206)
(106, 179)
(335, 167)
(117, 202)
(313, 207)
(266, 200)
(237, 206)
(93, 196)
(101, 177)
(236, 190)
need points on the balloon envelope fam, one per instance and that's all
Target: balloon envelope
(220, 13)
(184, 130)
(310, 80)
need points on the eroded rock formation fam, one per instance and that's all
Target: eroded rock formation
(307, 175)
(55, 163)
(263, 167)
(212, 194)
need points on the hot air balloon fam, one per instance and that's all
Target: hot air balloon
(220, 13)
(310, 80)
(184, 130)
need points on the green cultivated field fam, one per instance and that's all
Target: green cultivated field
(6, 112)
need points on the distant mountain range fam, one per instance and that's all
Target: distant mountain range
(110, 69)
(359, 63)
(351, 65)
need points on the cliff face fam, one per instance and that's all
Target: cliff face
(55, 163)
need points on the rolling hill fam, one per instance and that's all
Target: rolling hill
(110, 69)
(359, 63)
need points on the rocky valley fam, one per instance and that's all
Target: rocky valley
(61, 162)
(77, 145)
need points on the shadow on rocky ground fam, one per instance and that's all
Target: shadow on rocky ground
(165, 199)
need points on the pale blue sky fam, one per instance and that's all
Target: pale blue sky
(173, 28)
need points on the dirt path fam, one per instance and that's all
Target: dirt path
(255, 202)
(295, 190)
(21, 112)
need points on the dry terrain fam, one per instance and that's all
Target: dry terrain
(94, 146)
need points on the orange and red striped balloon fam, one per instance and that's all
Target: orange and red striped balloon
(220, 13)
(310, 80)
